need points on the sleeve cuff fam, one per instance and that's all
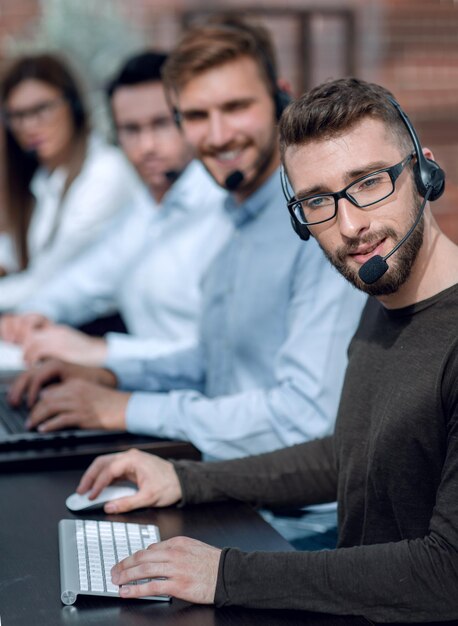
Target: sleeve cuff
(188, 484)
(126, 346)
(129, 372)
(117, 344)
(144, 415)
(29, 306)
(221, 595)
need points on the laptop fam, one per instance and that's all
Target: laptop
(75, 447)
(21, 449)
(14, 434)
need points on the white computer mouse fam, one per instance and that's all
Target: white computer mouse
(76, 502)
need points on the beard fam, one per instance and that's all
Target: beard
(265, 158)
(400, 264)
(253, 174)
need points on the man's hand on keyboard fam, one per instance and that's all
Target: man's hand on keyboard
(15, 328)
(190, 569)
(156, 479)
(78, 403)
(30, 383)
(62, 342)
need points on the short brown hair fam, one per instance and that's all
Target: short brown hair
(334, 107)
(216, 42)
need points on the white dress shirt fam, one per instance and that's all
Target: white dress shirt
(61, 229)
(149, 266)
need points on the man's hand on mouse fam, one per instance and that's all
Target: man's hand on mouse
(30, 383)
(156, 479)
(78, 403)
(190, 569)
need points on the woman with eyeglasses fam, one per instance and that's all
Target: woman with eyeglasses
(62, 184)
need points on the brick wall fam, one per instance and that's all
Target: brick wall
(411, 46)
(420, 63)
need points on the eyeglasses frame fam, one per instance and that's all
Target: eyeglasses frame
(394, 172)
(34, 111)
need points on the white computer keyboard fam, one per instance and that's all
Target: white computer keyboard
(89, 549)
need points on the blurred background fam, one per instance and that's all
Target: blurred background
(410, 46)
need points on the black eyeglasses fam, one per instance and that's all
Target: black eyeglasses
(363, 193)
(41, 112)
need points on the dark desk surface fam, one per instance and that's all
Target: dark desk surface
(33, 503)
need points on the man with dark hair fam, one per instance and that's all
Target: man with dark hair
(137, 267)
(276, 318)
(393, 460)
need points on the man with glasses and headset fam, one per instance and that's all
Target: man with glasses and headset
(392, 462)
(312, 210)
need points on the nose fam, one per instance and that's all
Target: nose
(147, 140)
(352, 220)
(27, 123)
(219, 131)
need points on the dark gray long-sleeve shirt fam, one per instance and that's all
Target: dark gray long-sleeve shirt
(393, 464)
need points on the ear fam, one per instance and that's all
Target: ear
(428, 154)
(284, 85)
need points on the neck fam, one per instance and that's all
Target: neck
(159, 193)
(434, 269)
(61, 159)
(264, 173)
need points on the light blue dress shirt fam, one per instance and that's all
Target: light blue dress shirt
(149, 266)
(268, 370)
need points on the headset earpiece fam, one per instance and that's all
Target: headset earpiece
(428, 174)
(300, 229)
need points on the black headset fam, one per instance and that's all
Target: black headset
(280, 97)
(427, 172)
(428, 175)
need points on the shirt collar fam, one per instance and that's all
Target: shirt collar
(44, 182)
(186, 190)
(254, 204)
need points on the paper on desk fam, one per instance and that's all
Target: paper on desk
(11, 361)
